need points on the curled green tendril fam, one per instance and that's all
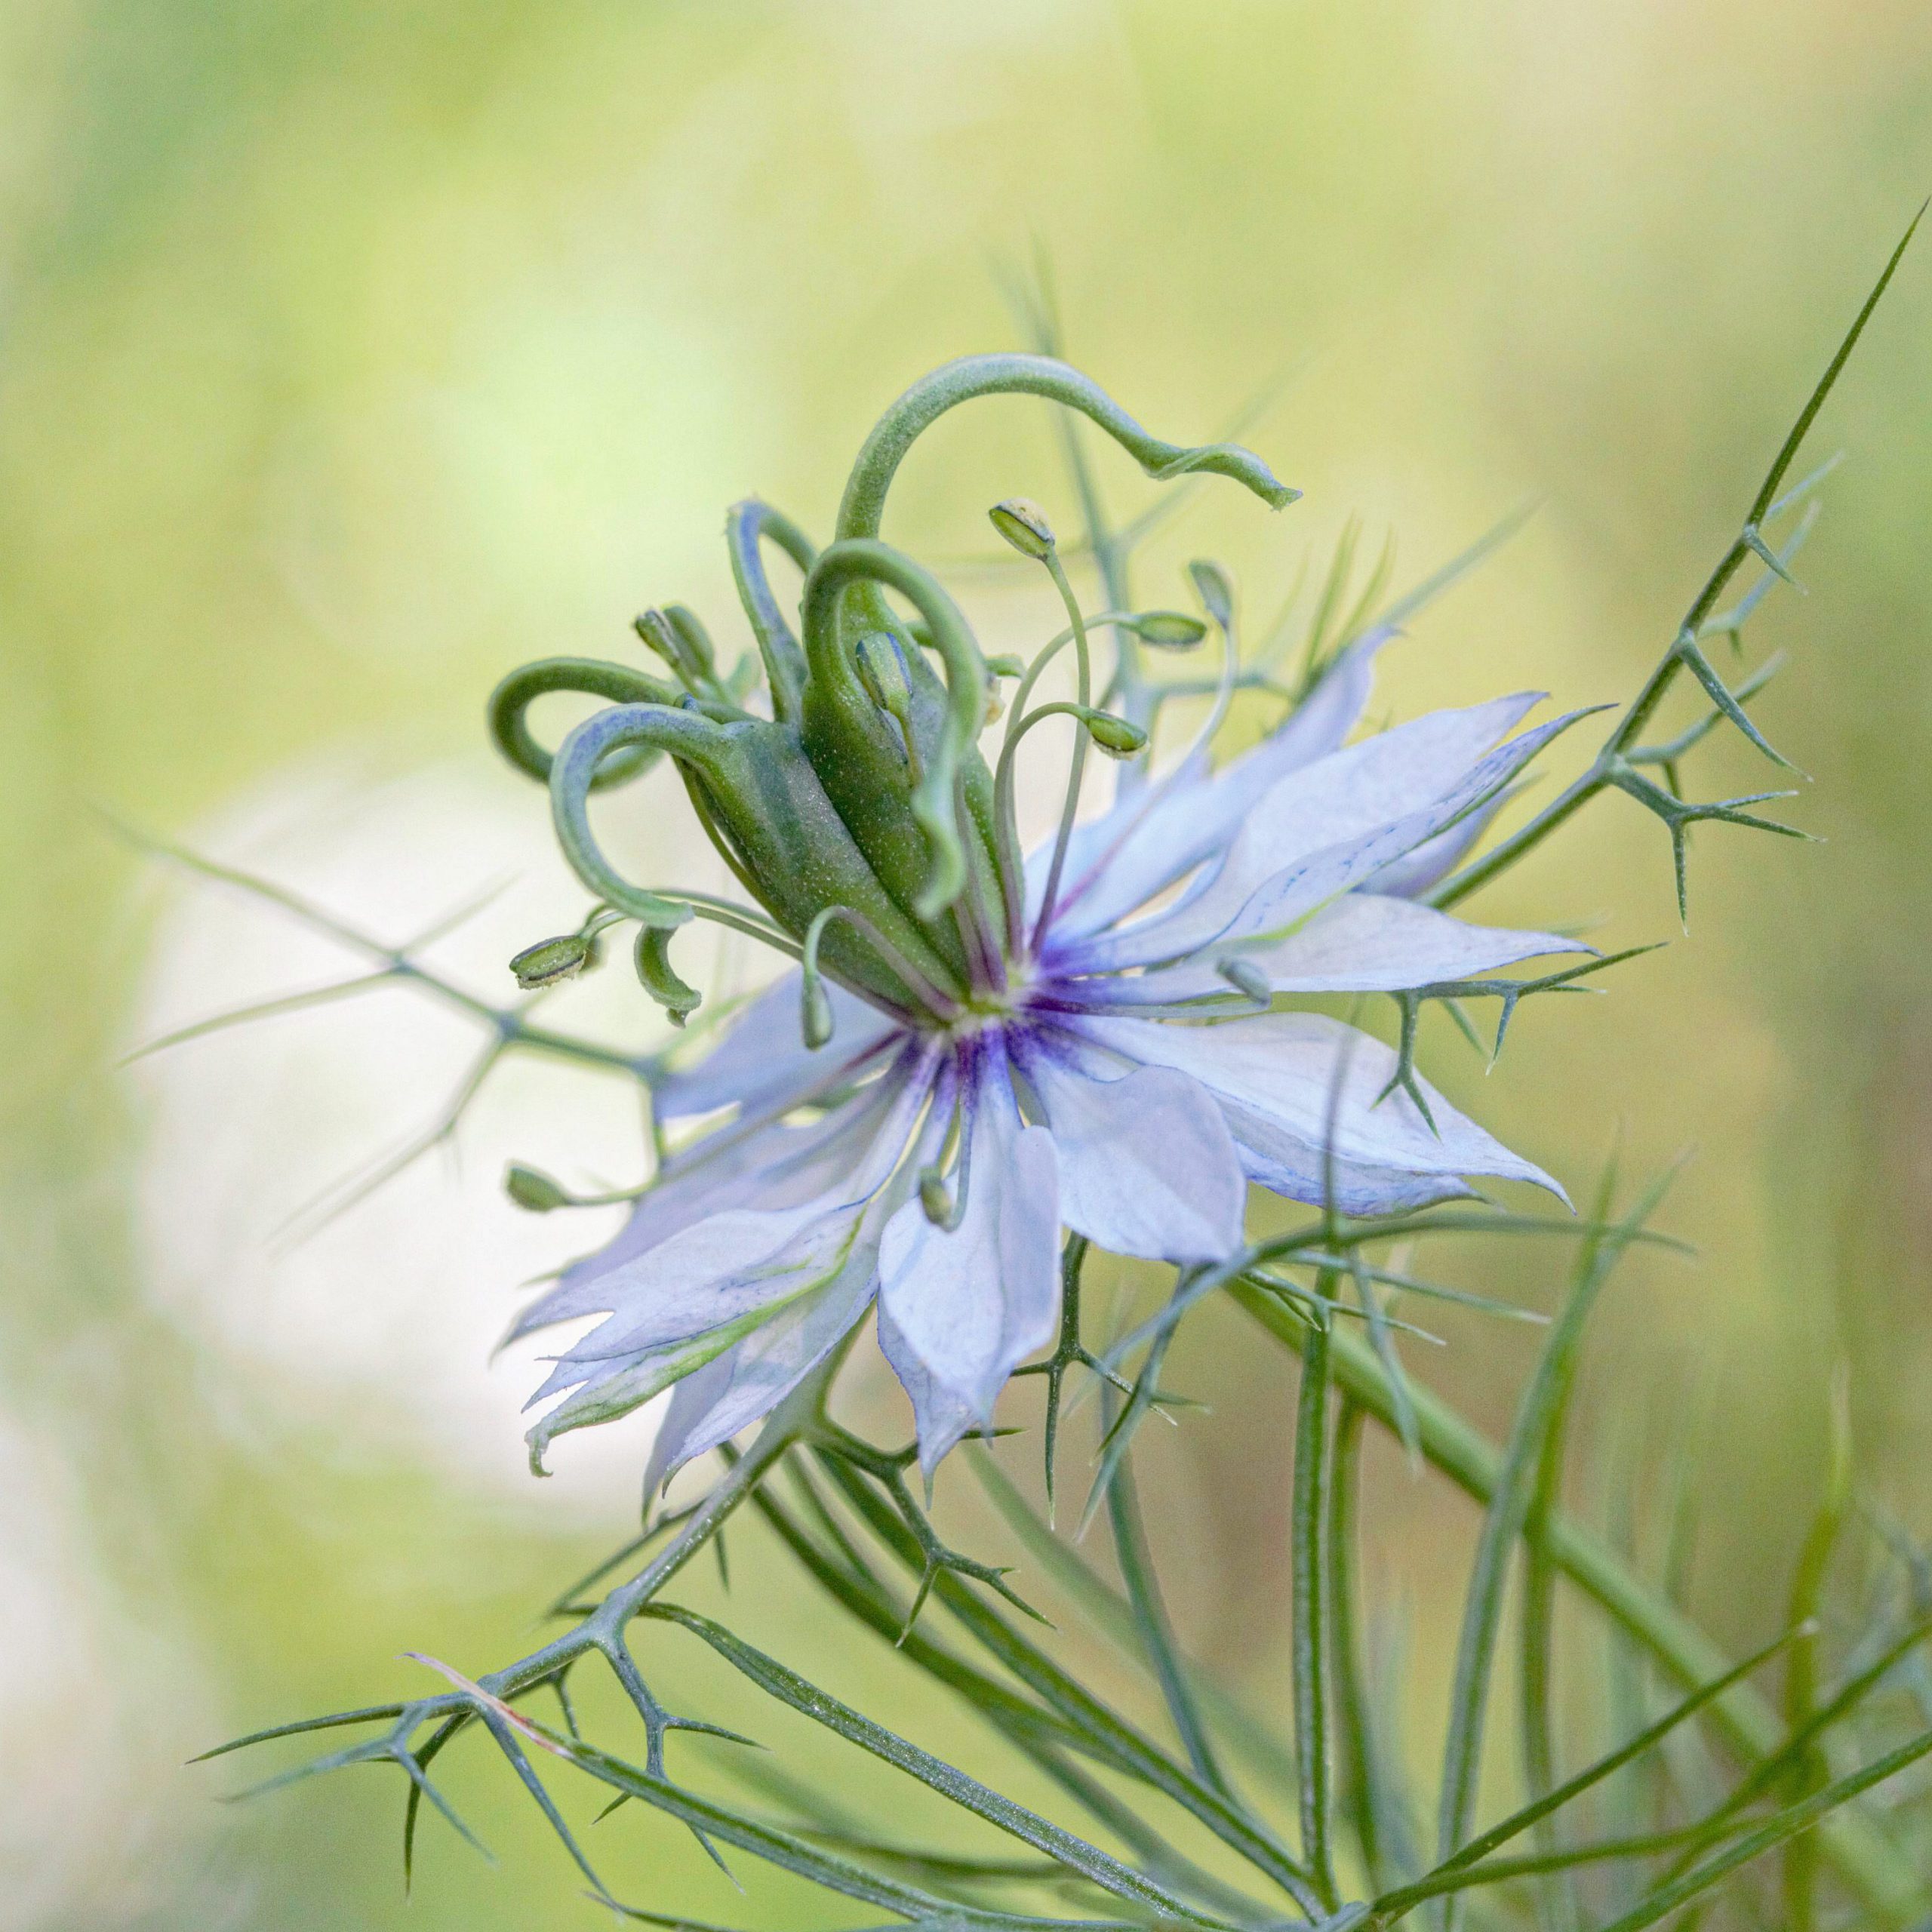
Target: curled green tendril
(692, 739)
(749, 524)
(589, 677)
(1012, 374)
(659, 978)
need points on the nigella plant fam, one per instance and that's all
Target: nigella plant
(994, 1046)
(980, 1064)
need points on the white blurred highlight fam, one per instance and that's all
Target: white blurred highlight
(376, 1328)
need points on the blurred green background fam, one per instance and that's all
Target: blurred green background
(350, 352)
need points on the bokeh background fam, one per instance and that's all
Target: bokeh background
(351, 352)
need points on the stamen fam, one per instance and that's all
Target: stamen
(944, 1206)
(551, 961)
(536, 1192)
(1165, 630)
(677, 634)
(1224, 693)
(1246, 978)
(1024, 525)
(815, 1017)
(969, 909)
(1114, 736)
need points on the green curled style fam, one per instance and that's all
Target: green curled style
(834, 685)
(1013, 374)
(747, 527)
(693, 740)
(589, 677)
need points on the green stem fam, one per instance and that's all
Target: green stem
(1361, 1776)
(1308, 1600)
(1748, 542)
(1150, 1610)
(1801, 1685)
(1537, 1655)
(1864, 1858)
(1109, 1736)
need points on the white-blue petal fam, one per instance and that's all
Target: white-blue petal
(1364, 942)
(753, 1376)
(1154, 837)
(1147, 1166)
(969, 1305)
(775, 1166)
(1294, 1083)
(1412, 874)
(1330, 829)
(762, 1064)
(715, 1284)
(940, 1417)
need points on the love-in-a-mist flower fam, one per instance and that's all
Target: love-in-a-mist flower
(977, 1050)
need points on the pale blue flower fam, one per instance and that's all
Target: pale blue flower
(1127, 1080)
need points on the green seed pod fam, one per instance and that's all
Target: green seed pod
(764, 802)
(912, 836)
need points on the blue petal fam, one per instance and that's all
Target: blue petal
(969, 1305)
(1147, 1166)
(762, 1064)
(1293, 1084)
(1364, 941)
(1155, 836)
(1330, 829)
(775, 1166)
